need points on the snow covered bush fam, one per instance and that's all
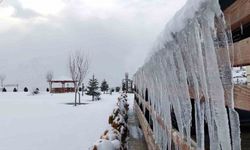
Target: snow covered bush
(35, 91)
(25, 89)
(123, 104)
(115, 138)
(118, 121)
(14, 90)
(111, 134)
(4, 90)
(103, 144)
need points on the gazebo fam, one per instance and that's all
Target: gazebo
(65, 85)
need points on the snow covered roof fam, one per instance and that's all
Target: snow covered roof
(62, 79)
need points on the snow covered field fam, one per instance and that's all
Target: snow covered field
(45, 122)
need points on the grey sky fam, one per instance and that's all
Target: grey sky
(38, 35)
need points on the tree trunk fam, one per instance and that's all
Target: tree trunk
(82, 89)
(75, 95)
(93, 97)
(79, 98)
(50, 87)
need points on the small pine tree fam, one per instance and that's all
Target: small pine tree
(123, 87)
(92, 89)
(14, 90)
(104, 86)
(4, 90)
(25, 89)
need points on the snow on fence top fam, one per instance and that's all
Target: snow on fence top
(193, 55)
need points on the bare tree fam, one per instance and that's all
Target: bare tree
(2, 78)
(49, 77)
(78, 67)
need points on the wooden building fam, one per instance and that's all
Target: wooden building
(237, 15)
(66, 86)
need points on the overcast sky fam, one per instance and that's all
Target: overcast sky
(38, 35)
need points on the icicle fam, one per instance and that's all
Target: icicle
(241, 29)
(193, 53)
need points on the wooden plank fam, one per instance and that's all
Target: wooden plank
(148, 133)
(248, 75)
(238, 13)
(242, 97)
(242, 101)
(176, 137)
(241, 53)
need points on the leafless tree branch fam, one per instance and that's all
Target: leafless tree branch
(2, 78)
(78, 67)
(49, 75)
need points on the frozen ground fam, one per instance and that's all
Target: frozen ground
(45, 122)
(239, 75)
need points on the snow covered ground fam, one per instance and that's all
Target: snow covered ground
(239, 75)
(45, 122)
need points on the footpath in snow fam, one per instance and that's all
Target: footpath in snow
(136, 139)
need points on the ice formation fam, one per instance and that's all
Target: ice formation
(193, 55)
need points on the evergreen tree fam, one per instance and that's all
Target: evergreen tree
(25, 89)
(4, 90)
(92, 88)
(104, 86)
(14, 90)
